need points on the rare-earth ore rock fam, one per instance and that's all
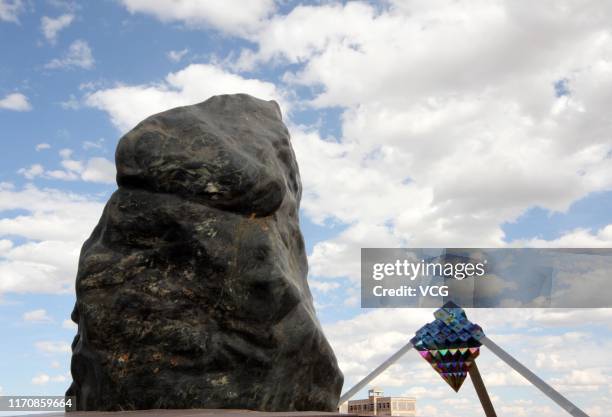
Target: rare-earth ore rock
(192, 290)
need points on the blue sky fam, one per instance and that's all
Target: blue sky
(437, 124)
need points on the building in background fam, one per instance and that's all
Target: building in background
(378, 405)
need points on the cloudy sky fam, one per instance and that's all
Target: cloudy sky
(425, 124)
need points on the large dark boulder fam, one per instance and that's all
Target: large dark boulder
(191, 290)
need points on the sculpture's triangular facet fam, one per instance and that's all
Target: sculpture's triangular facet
(450, 344)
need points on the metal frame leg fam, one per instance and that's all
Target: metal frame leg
(535, 380)
(347, 396)
(481, 390)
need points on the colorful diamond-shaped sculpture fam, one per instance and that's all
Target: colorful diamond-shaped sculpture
(450, 343)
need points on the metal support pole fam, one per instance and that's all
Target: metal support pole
(554, 395)
(481, 390)
(347, 396)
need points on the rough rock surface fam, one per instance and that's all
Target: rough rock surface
(191, 290)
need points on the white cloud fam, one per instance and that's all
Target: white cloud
(72, 103)
(366, 340)
(32, 171)
(10, 10)
(128, 105)
(5, 245)
(69, 324)
(42, 146)
(341, 256)
(584, 380)
(43, 267)
(91, 85)
(504, 378)
(596, 411)
(99, 170)
(66, 153)
(456, 128)
(96, 169)
(308, 31)
(578, 238)
(50, 26)
(523, 319)
(37, 316)
(79, 55)
(16, 102)
(229, 16)
(322, 286)
(53, 347)
(98, 144)
(62, 175)
(53, 224)
(69, 163)
(176, 56)
(43, 379)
